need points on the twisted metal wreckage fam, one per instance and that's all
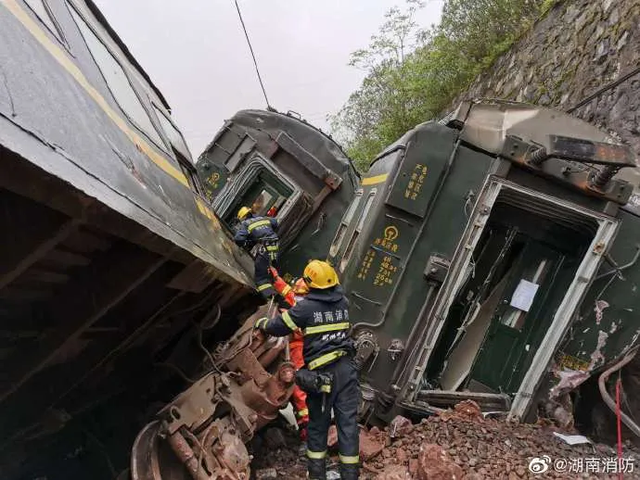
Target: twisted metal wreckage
(205, 428)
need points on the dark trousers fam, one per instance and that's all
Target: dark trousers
(343, 399)
(262, 275)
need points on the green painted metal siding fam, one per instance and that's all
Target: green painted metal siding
(374, 186)
(387, 259)
(609, 321)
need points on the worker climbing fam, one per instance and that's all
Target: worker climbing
(292, 295)
(330, 377)
(259, 233)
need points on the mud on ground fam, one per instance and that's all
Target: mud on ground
(459, 444)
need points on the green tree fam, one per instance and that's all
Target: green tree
(414, 73)
(380, 108)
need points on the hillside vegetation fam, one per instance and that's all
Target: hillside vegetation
(413, 73)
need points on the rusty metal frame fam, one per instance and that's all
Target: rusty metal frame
(206, 426)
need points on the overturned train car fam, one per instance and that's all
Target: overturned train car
(117, 279)
(281, 166)
(492, 256)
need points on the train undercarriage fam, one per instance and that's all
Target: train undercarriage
(202, 433)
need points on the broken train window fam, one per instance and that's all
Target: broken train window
(344, 224)
(356, 233)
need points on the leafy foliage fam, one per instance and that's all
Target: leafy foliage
(413, 73)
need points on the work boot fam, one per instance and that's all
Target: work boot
(349, 472)
(316, 469)
(302, 449)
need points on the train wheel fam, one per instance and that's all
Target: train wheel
(152, 459)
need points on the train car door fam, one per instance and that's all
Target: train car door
(525, 310)
(502, 319)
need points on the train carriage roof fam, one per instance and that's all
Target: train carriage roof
(314, 140)
(488, 123)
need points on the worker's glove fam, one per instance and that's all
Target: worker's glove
(261, 323)
(274, 272)
(313, 382)
(325, 380)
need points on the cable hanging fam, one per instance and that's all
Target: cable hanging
(264, 92)
(604, 89)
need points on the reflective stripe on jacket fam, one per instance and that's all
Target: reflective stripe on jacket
(284, 289)
(254, 229)
(323, 317)
(296, 346)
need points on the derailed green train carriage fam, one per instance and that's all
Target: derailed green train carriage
(492, 256)
(278, 163)
(115, 273)
(108, 253)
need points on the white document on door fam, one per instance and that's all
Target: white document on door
(524, 294)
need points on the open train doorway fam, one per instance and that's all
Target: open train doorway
(520, 271)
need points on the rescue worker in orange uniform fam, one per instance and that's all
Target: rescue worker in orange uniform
(291, 296)
(272, 212)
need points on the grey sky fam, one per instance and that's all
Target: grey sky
(195, 52)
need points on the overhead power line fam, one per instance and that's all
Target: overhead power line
(605, 89)
(264, 92)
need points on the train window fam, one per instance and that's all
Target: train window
(117, 80)
(189, 171)
(365, 210)
(356, 233)
(262, 203)
(175, 137)
(43, 12)
(344, 225)
(266, 195)
(192, 178)
(239, 152)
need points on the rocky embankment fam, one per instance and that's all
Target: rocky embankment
(457, 444)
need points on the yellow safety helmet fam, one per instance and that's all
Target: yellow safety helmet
(321, 275)
(300, 287)
(243, 212)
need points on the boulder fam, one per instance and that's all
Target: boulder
(435, 464)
